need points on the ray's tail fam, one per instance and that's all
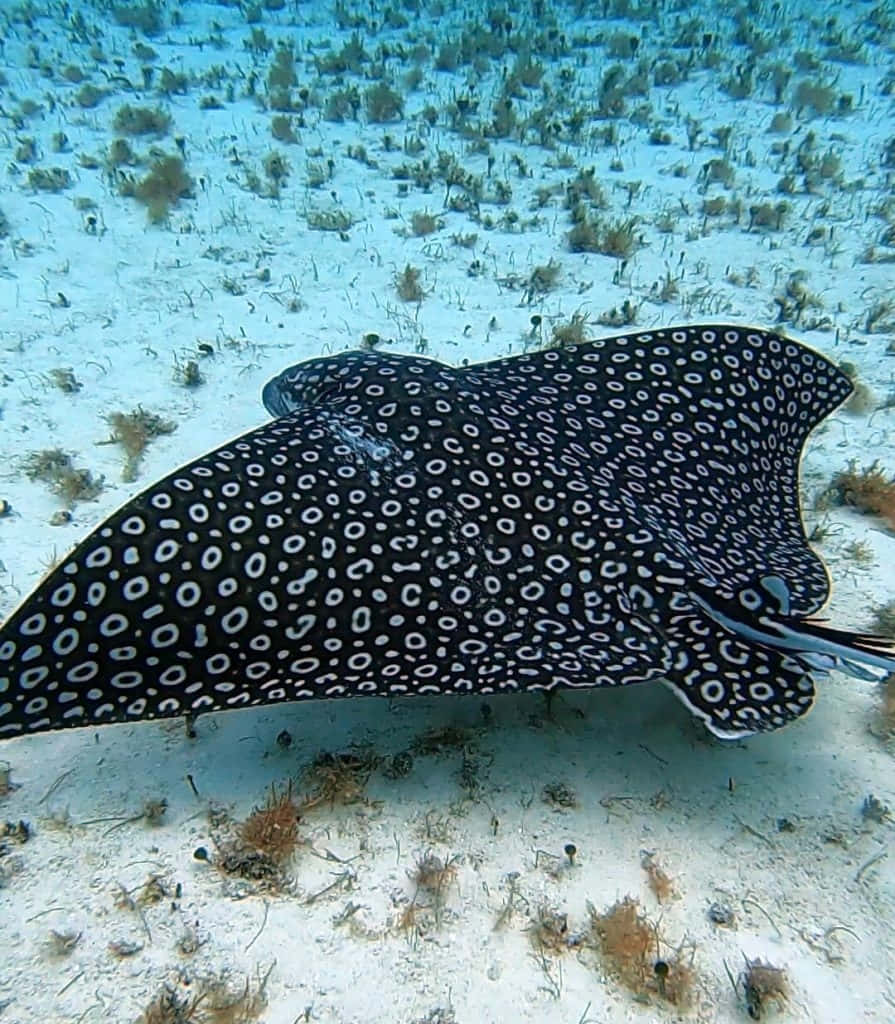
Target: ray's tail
(751, 615)
(862, 655)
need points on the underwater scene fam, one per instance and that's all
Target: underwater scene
(529, 365)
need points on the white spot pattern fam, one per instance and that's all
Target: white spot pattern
(527, 523)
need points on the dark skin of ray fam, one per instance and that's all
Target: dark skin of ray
(615, 512)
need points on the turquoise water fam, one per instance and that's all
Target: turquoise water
(197, 196)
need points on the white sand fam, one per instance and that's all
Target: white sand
(815, 896)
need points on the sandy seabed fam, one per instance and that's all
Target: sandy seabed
(745, 165)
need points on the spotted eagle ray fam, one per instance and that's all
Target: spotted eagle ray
(614, 512)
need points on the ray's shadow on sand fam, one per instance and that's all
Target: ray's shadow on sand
(636, 741)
